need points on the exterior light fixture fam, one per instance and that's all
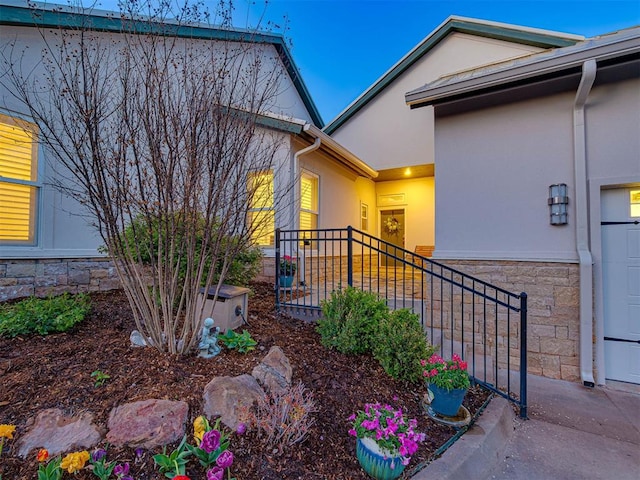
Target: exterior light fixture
(407, 172)
(558, 202)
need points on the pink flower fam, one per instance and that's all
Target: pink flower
(225, 460)
(433, 372)
(210, 441)
(241, 428)
(353, 432)
(215, 473)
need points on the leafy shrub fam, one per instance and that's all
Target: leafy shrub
(350, 320)
(283, 418)
(400, 345)
(144, 241)
(243, 342)
(43, 315)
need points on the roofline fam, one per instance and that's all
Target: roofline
(340, 153)
(500, 31)
(544, 64)
(61, 16)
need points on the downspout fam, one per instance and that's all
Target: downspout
(589, 69)
(294, 173)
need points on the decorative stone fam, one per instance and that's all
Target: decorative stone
(274, 372)
(208, 345)
(59, 433)
(148, 423)
(228, 397)
(137, 340)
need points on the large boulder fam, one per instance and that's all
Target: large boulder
(274, 372)
(59, 433)
(148, 423)
(230, 397)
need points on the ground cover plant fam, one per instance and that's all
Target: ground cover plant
(54, 371)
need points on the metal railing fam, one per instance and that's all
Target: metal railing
(485, 324)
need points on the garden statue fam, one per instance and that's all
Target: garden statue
(208, 345)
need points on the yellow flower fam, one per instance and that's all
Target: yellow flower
(200, 425)
(6, 431)
(74, 462)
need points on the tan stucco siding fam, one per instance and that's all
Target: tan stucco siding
(493, 172)
(386, 133)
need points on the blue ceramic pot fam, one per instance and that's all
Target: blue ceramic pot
(446, 402)
(285, 281)
(378, 466)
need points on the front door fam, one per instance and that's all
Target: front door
(392, 228)
(621, 283)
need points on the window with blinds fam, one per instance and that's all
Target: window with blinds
(18, 181)
(261, 211)
(308, 202)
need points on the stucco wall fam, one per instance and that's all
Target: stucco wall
(386, 133)
(493, 172)
(63, 228)
(419, 209)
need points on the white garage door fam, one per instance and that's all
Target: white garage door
(621, 283)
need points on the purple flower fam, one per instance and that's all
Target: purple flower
(225, 460)
(139, 452)
(241, 428)
(215, 473)
(210, 441)
(353, 432)
(121, 470)
(98, 455)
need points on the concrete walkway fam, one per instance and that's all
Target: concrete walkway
(573, 432)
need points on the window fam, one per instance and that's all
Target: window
(18, 181)
(261, 211)
(634, 203)
(364, 217)
(308, 201)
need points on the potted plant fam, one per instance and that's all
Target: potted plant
(447, 381)
(386, 440)
(286, 271)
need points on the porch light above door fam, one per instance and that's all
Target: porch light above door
(558, 202)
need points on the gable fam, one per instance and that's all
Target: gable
(385, 132)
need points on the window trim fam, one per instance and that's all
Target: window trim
(37, 184)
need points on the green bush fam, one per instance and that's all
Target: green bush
(243, 342)
(350, 320)
(400, 345)
(43, 315)
(144, 240)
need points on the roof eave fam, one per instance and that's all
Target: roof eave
(60, 16)
(528, 36)
(524, 73)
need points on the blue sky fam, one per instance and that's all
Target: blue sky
(341, 47)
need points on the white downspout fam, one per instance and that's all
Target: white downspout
(294, 173)
(589, 69)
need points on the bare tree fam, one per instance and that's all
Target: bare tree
(157, 133)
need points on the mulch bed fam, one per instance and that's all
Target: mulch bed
(54, 372)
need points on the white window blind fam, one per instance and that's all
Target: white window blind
(308, 202)
(261, 212)
(18, 181)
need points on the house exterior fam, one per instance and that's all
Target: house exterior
(48, 245)
(505, 135)
(497, 115)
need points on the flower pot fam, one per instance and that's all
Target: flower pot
(446, 402)
(285, 281)
(378, 464)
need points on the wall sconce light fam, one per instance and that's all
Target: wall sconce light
(558, 202)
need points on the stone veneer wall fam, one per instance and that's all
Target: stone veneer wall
(553, 291)
(42, 277)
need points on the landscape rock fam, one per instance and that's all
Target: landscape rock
(59, 433)
(148, 423)
(274, 372)
(229, 397)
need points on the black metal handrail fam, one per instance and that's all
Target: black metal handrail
(484, 323)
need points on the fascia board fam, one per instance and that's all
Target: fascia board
(523, 72)
(499, 31)
(52, 16)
